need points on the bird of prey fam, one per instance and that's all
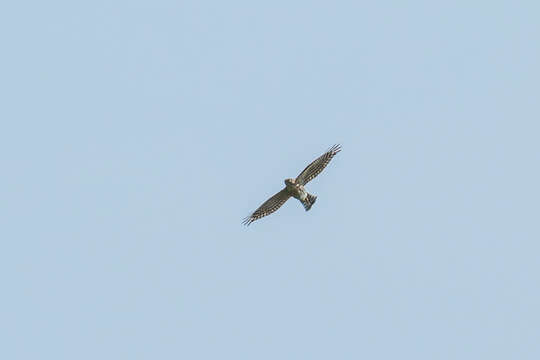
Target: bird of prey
(295, 187)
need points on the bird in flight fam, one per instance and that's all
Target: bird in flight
(295, 187)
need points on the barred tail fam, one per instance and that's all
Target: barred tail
(309, 201)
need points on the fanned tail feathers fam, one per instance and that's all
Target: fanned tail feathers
(309, 201)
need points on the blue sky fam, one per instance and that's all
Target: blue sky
(137, 135)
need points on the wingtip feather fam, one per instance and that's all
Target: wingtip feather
(335, 149)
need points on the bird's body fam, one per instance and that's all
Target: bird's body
(295, 188)
(298, 191)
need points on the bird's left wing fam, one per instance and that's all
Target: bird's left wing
(317, 166)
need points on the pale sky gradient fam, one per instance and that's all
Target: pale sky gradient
(137, 135)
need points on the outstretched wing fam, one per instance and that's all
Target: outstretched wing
(317, 166)
(268, 207)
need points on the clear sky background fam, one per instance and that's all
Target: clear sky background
(137, 135)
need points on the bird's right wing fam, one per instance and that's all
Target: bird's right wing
(268, 207)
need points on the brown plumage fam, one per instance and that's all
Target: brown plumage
(295, 188)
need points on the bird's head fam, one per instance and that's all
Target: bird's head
(289, 181)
